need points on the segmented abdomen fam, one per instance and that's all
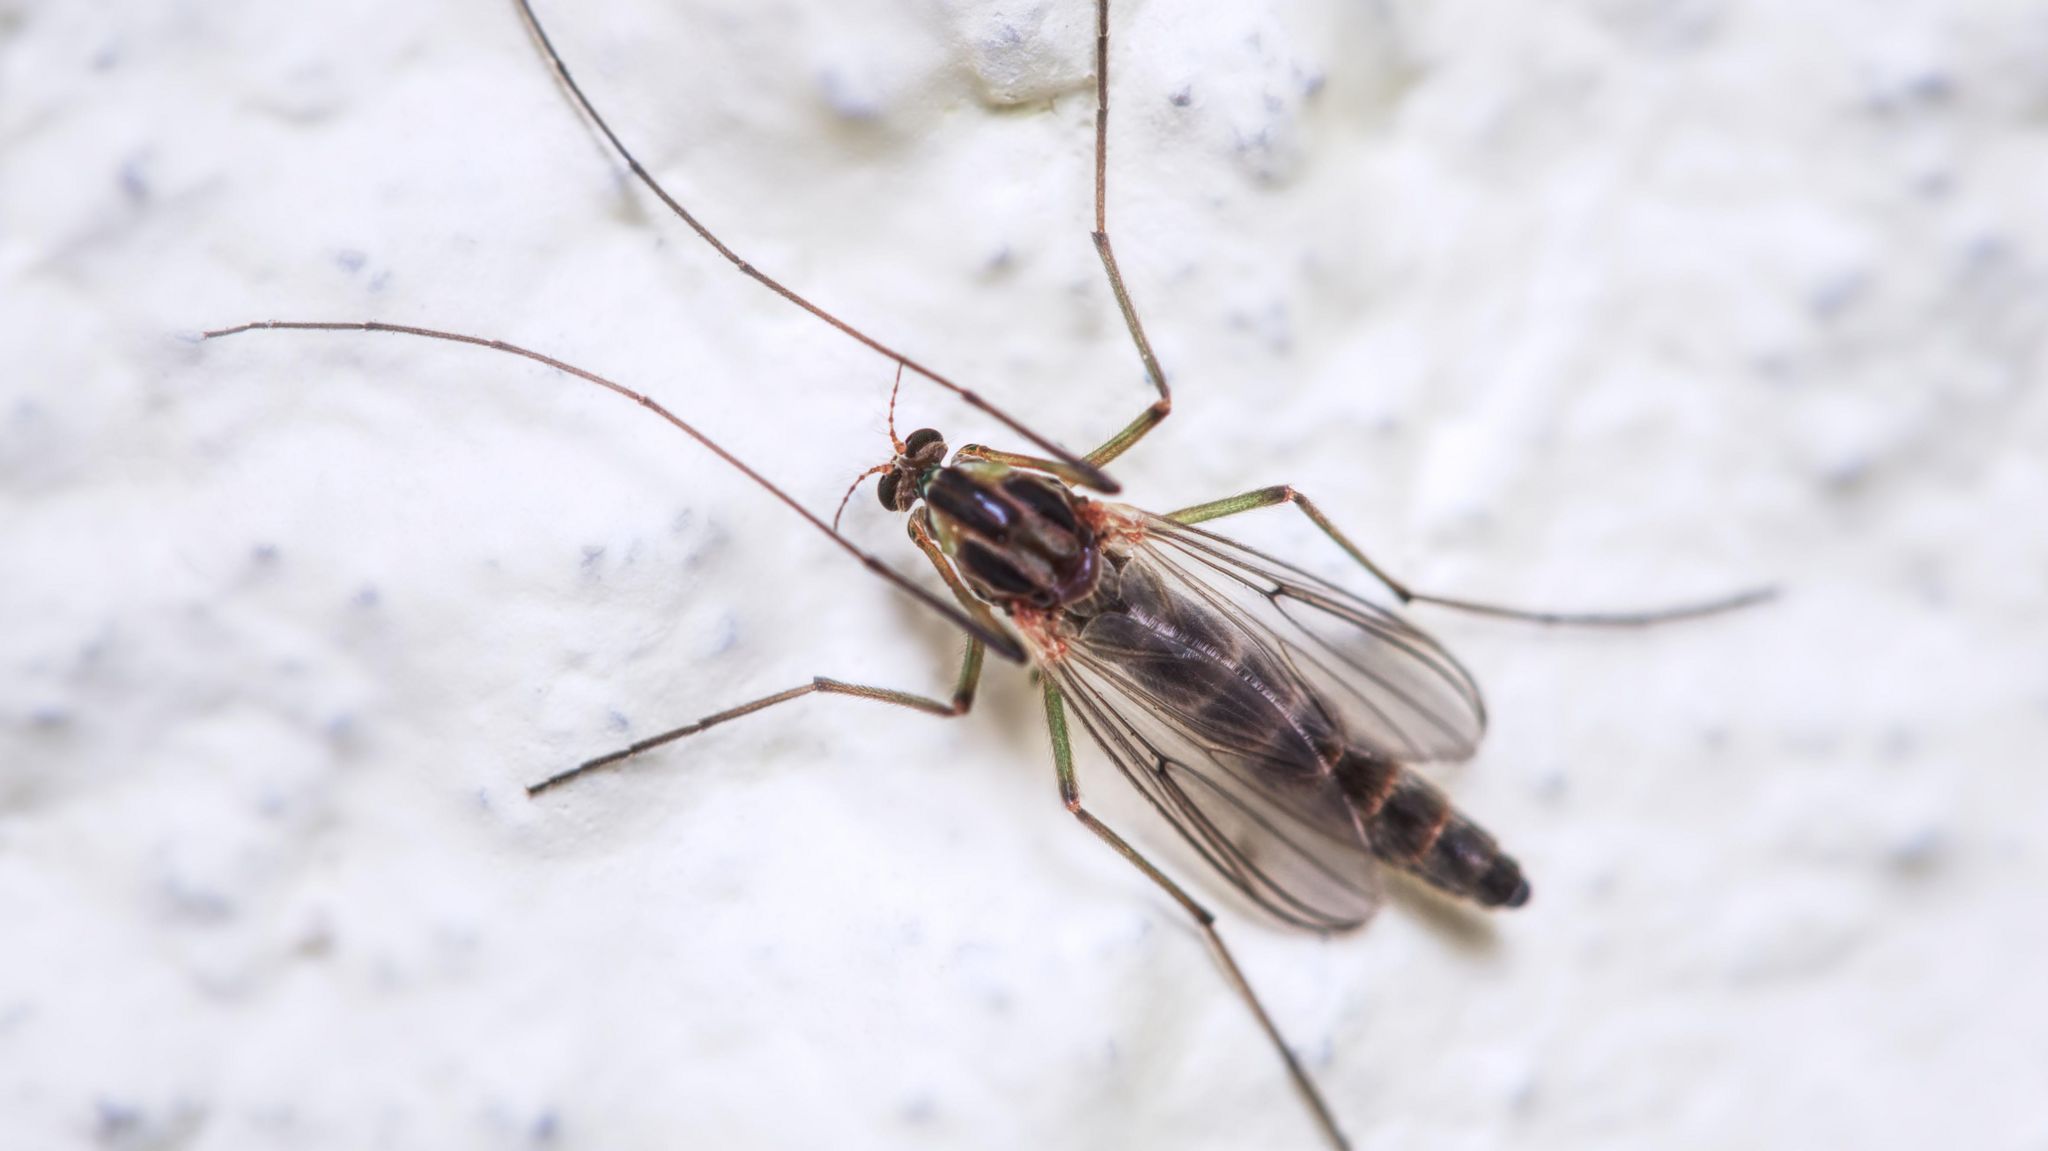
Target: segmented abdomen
(1411, 825)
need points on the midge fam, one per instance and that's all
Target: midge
(1274, 719)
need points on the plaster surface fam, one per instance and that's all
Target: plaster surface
(1590, 304)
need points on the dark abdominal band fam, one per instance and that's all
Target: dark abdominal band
(1411, 825)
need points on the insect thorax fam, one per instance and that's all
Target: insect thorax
(1016, 537)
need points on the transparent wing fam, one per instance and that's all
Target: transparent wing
(1290, 842)
(1257, 708)
(1388, 685)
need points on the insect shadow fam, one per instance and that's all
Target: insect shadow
(1274, 719)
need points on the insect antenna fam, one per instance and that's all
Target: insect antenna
(895, 441)
(1079, 470)
(998, 642)
(853, 487)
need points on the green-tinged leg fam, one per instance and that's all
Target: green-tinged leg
(1268, 497)
(1152, 416)
(962, 701)
(921, 534)
(1070, 794)
(1160, 408)
(1067, 475)
(1156, 413)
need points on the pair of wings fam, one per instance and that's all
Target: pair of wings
(1229, 687)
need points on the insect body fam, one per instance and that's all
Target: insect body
(1276, 750)
(1271, 717)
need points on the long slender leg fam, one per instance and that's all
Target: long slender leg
(1013, 459)
(962, 701)
(978, 625)
(1283, 494)
(1088, 473)
(1152, 416)
(963, 687)
(1205, 921)
(920, 525)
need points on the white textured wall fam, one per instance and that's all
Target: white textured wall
(1574, 304)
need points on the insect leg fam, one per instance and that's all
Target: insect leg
(1011, 459)
(1283, 494)
(1086, 473)
(1205, 921)
(979, 625)
(920, 525)
(962, 701)
(1018, 460)
(963, 688)
(1152, 416)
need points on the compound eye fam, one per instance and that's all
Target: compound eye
(887, 490)
(925, 445)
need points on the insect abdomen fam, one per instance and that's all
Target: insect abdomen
(1411, 825)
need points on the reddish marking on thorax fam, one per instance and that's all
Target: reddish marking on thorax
(1112, 523)
(1039, 628)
